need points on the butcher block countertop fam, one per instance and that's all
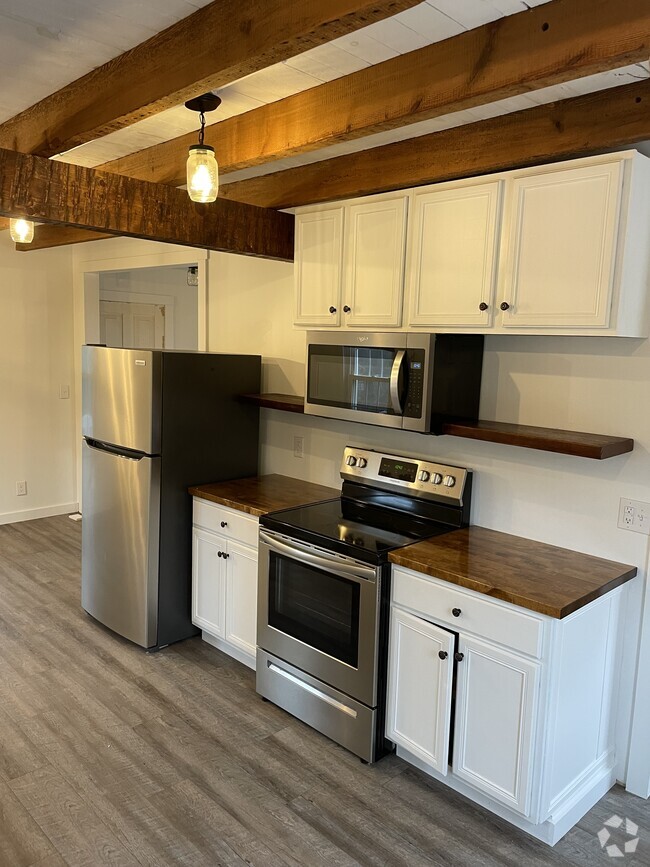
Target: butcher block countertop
(262, 494)
(540, 577)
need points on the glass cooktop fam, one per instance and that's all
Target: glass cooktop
(341, 524)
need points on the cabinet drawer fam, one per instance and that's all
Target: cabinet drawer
(227, 522)
(436, 600)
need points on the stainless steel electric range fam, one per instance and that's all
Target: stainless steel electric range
(324, 585)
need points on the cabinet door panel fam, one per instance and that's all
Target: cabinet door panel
(495, 716)
(241, 595)
(208, 583)
(319, 238)
(419, 688)
(453, 263)
(562, 247)
(374, 263)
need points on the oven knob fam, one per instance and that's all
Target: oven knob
(423, 476)
(436, 478)
(449, 481)
(361, 463)
(351, 461)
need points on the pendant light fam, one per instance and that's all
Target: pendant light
(21, 231)
(202, 167)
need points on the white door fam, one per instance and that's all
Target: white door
(209, 582)
(496, 706)
(139, 326)
(420, 669)
(317, 266)
(563, 232)
(454, 255)
(241, 597)
(375, 241)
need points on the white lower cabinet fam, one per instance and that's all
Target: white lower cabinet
(224, 579)
(521, 719)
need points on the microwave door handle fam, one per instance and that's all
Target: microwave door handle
(334, 565)
(395, 401)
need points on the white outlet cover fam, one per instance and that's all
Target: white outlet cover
(634, 515)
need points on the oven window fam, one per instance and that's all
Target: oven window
(316, 607)
(351, 377)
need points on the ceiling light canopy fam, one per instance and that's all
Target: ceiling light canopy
(202, 166)
(21, 231)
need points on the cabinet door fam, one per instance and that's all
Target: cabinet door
(208, 582)
(562, 247)
(419, 688)
(454, 255)
(318, 267)
(375, 241)
(241, 596)
(496, 704)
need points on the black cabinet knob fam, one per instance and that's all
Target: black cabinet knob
(504, 305)
(224, 523)
(456, 612)
(225, 556)
(443, 654)
(347, 309)
(459, 657)
(332, 309)
(219, 553)
(483, 306)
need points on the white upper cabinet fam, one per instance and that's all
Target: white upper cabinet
(562, 246)
(452, 266)
(318, 267)
(373, 281)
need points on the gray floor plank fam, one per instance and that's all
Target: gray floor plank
(109, 755)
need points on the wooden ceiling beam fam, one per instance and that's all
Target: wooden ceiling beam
(215, 45)
(49, 191)
(609, 119)
(549, 44)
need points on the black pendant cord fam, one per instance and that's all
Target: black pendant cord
(202, 130)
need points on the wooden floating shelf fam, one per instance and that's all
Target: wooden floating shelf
(585, 445)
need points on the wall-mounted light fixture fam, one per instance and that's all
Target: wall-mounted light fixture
(21, 231)
(202, 167)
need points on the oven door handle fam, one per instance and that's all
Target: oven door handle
(335, 565)
(396, 403)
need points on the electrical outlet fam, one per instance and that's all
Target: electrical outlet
(64, 392)
(634, 515)
(298, 447)
(21, 489)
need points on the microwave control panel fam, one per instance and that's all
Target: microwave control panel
(416, 360)
(417, 476)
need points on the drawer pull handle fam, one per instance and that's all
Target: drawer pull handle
(332, 309)
(456, 612)
(224, 523)
(443, 654)
(504, 305)
(347, 309)
(483, 306)
(459, 657)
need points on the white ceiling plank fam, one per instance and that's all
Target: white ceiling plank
(396, 35)
(365, 47)
(430, 23)
(327, 62)
(468, 13)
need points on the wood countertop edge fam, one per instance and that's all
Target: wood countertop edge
(400, 558)
(237, 505)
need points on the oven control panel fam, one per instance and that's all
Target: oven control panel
(417, 476)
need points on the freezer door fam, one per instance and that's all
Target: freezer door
(120, 542)
(121, 397)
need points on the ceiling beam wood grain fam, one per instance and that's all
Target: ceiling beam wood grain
(213, 46)
(547, 45)
(581, 126)
(48, 191)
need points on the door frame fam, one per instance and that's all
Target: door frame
(123, 254)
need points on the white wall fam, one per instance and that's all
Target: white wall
(600, 385)
(170, 281)
(36, 357)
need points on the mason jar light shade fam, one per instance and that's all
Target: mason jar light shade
(202, 174)
(21, 231)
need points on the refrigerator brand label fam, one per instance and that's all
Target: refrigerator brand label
(140, 362)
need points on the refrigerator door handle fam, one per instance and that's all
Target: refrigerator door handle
(127, 454)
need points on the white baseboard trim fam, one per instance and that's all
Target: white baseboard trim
(230, 649)
(33, 514)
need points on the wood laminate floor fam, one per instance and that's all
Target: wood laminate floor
(110, 756)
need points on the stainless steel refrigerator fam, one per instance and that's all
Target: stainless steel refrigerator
(154, 423)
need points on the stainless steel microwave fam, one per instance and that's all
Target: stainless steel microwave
(410, 381)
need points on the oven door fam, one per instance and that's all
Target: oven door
(320, 612)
